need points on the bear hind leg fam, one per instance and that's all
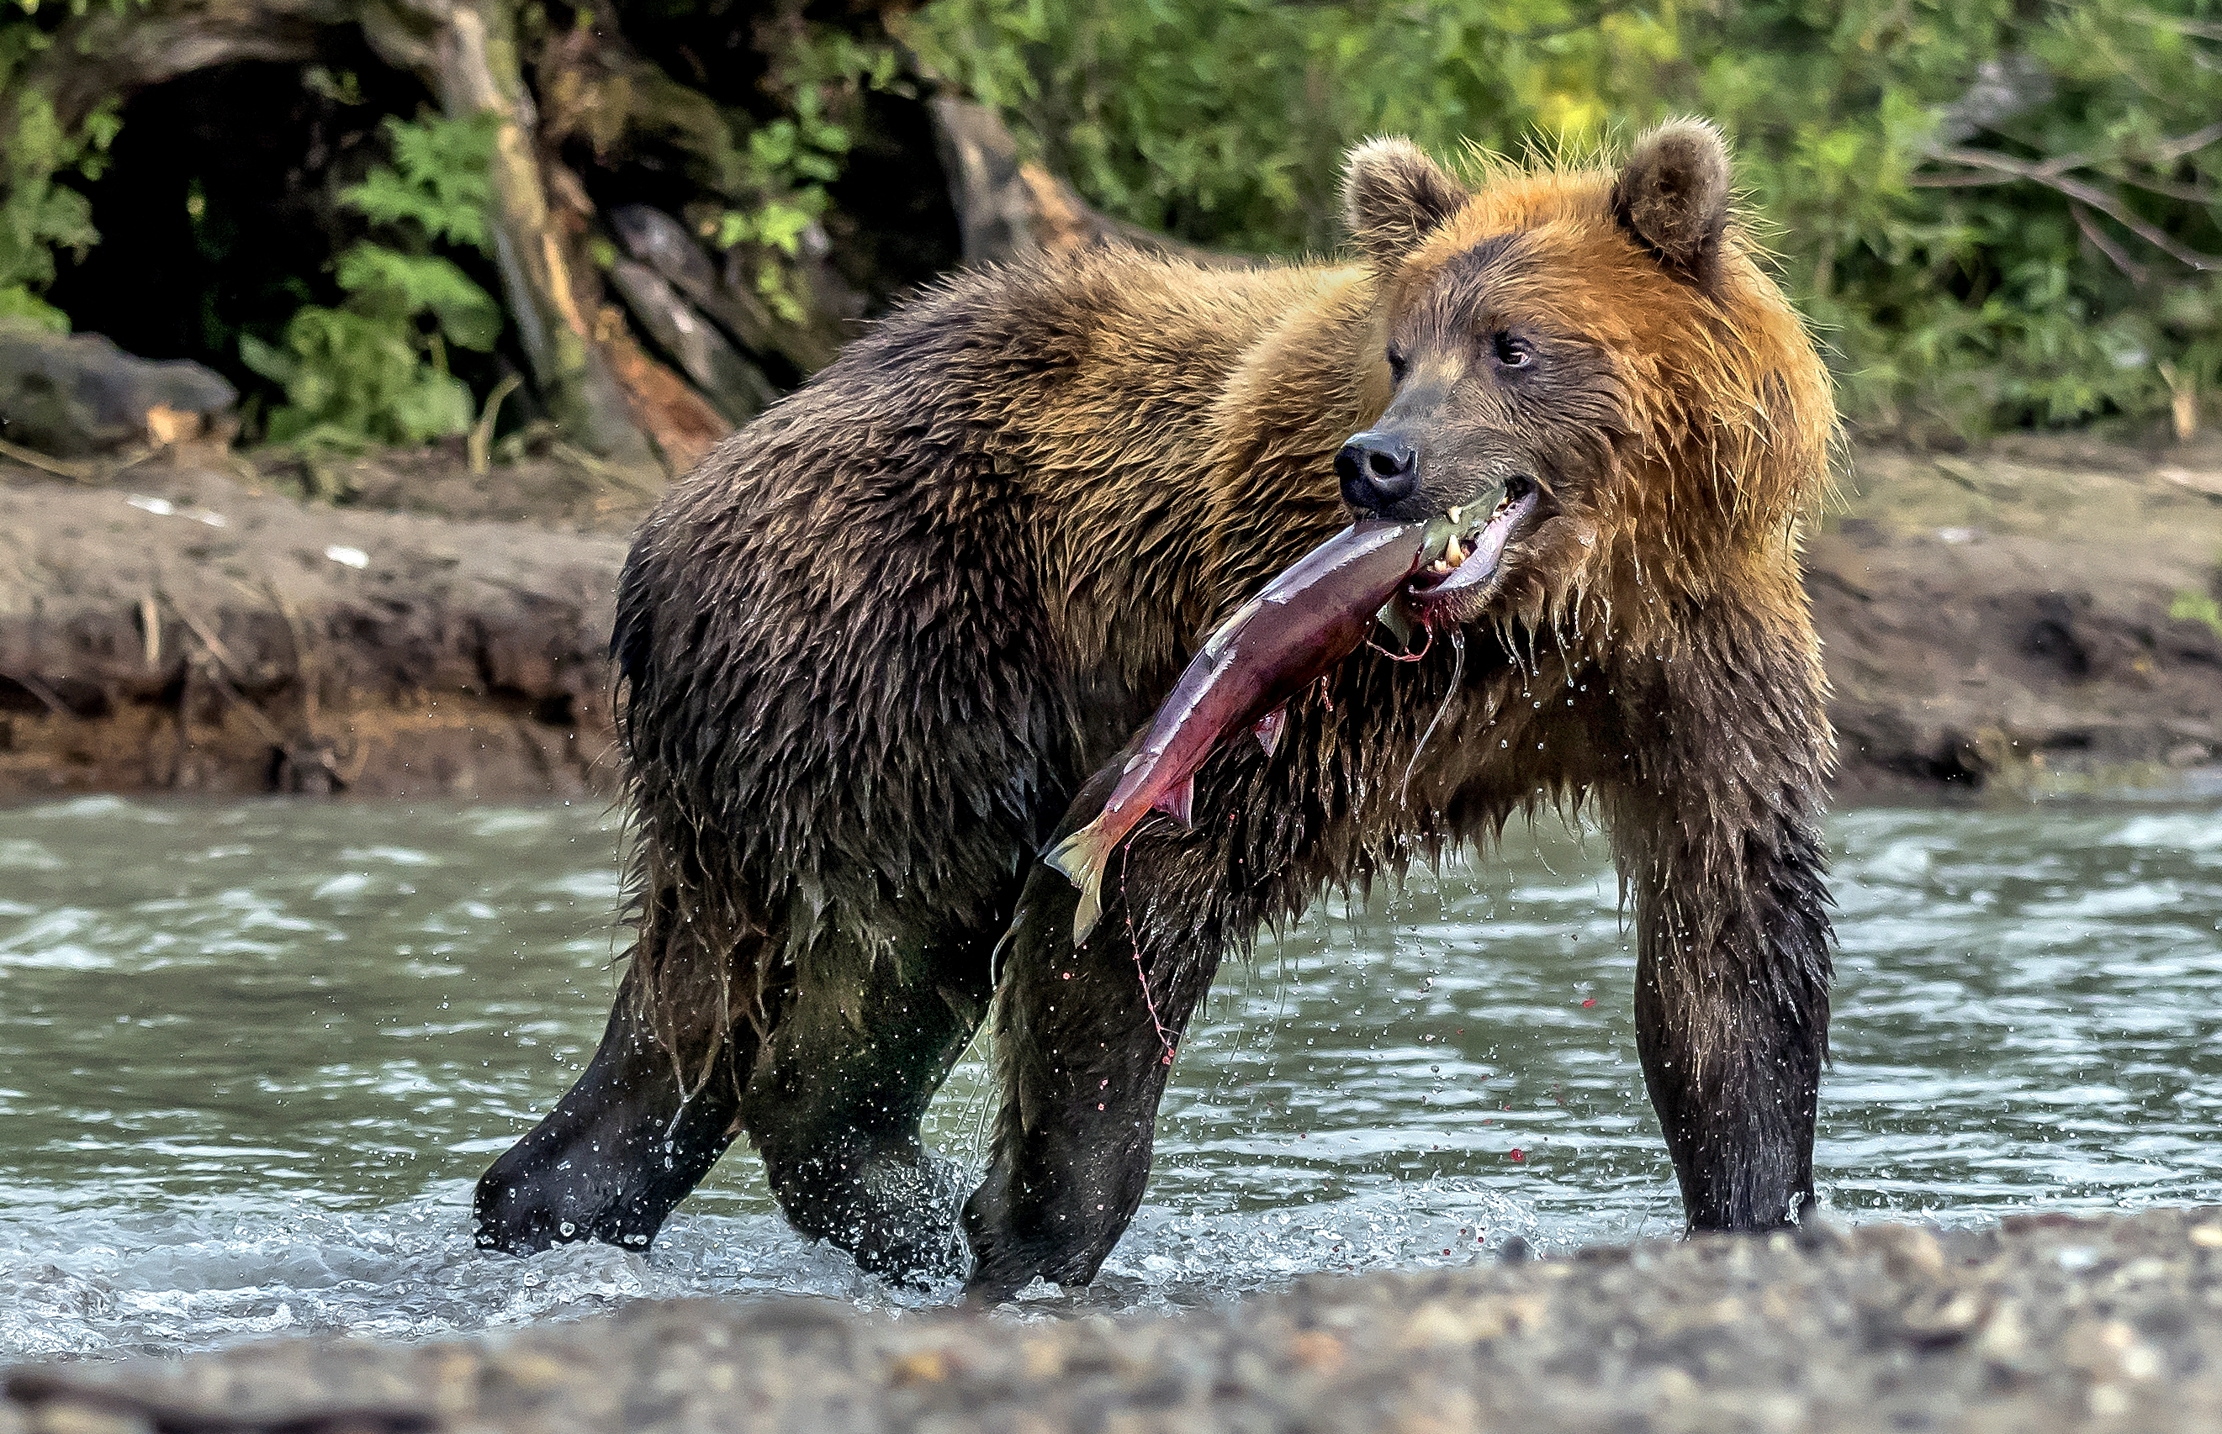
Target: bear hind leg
(623, 1146)
(837, 1096)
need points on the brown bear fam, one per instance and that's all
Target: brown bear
(872, 652)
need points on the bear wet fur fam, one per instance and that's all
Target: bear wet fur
(880, 649)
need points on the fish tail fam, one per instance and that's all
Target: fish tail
(1081, 857)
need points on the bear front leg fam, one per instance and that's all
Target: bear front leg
(1084, 1041)
(623, 1146)
(1723, 746)
(1732, 1002)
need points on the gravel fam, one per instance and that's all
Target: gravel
(2045, 1322)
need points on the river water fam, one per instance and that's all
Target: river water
(252, 1057)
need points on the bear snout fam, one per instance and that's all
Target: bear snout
(1378, 470)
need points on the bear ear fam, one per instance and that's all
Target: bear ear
(1672, 196)
(1393, 196)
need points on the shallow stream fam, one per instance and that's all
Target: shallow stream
(253, 1055)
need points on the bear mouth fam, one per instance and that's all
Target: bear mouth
(1476, 551)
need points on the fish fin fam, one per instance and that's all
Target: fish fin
(1179, 804)
(1392, 617)
(1268, 729)
(1081, 858)
(1091, 906)
(1079, 854)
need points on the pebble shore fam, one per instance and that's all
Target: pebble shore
(2042, 1323)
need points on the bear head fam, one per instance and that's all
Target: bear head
(1590, 370)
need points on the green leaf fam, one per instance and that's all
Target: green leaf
(781, 226)
(19, 305)
(272, 363)
(423, 283)
(440, 180)
(354, 378)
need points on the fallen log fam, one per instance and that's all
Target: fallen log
(734, 386)
(1012, 208)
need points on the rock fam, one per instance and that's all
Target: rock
(74, 394)
(1909, 1252)
(1940, 1316)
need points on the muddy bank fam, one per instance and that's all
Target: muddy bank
(189, 628)
(2002, 616)
(2006, 615)
(2047, 1323)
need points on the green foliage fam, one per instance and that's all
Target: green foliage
(39, 213)
(439, 179)
(353, 377)
(375, 370)
(389, 281)
(1224, 122)
(2197, 607)
(1924, 163)
(792, 158)
(1998, 212)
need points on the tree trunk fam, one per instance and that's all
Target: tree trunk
(1010, 208)
(116, 50)
(466, 51)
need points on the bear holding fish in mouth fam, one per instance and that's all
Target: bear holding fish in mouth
(905, 634)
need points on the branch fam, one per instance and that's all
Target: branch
(2171, 150)
(2136, 272)
(2168, 151)
(114, 53)
(2197, 29)
(2052, 175)
(2189, 193)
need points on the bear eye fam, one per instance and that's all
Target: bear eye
(1511, 352)
(1396, 366)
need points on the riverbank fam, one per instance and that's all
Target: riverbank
(2042, 1323)
(2027, 615)
(188, 627)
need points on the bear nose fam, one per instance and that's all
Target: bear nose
(1377, 470)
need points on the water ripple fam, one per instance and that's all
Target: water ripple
(253, 1056)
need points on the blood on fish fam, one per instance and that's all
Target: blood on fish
(1425, 648)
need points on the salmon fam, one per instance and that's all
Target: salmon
(1305, 621)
